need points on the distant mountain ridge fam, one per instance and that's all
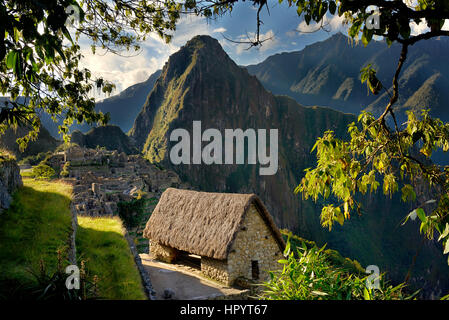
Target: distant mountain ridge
(328, 73)
(110, 137)
(44, 142)
(122, 107)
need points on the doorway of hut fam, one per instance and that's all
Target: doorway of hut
(189, 259)
(255, 269)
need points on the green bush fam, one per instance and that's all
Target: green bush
(131, 212)
(35, 159)
(42, 171)
(334, 257)
(309, 275)
(65, 146)
(65, 169)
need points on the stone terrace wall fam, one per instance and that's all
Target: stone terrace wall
(254, 242)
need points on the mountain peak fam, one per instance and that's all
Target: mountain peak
(339, 36)
(203, 40)
(203, 44)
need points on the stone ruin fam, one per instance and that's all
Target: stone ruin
(102, 178)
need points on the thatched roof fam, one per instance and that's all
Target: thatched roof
(203, 223)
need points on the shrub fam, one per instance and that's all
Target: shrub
(334, 257)
(42, 171)
(35, 159)
(65, 169)
(65, 146)
(311, 276)
(6, 155)
(50, 285)
(131, 212)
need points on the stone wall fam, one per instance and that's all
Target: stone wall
(254, 242)
(163, 253)
(10, 181)
(151, 294)
(215, 269)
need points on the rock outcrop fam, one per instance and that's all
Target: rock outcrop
(10, 181)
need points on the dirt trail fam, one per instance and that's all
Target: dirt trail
(185, 284)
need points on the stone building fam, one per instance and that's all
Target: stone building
(232, 236)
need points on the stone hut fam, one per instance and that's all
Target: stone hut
(231, 235)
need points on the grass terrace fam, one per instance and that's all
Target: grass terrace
(37, 224)
(101, 243)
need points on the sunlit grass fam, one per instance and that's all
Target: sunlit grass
(100, 241)
(37, 224)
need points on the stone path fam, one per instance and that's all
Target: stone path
(185, 283)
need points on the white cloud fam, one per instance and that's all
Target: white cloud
(219, 30)
(419, 28)
(269, 41)
(126, 71)
(122, 71)
(422, 27)
(446, 25)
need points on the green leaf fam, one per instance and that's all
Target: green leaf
(408, 193)
(367, 35)
(366, 294)
(421, 214)
(283, 261)
(287, 248)
(446, 247)
(11, 59)
(332, 7)
(412, 215)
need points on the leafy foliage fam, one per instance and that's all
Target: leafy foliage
(309, 275)
(35, 159)
(131, 212)
(334, 257)
(40, 54)
(50, 285)
(42, 171)
(376, 157)
(65, 169)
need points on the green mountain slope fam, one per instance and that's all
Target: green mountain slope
(200, 82)
(110, 137)
(45, 142)
(320, 74)
(123, 107)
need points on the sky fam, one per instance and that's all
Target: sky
(287, 32)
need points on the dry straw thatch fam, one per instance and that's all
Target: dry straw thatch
(203, 223)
